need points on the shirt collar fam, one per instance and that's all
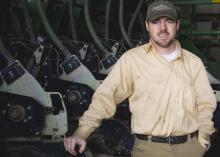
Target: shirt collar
(149, 47)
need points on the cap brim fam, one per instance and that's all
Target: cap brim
(152, 18)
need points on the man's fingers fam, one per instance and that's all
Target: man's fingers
(66, 143)
(82, 147)
(70, 144)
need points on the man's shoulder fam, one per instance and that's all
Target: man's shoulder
(136, 50)
(190, 56)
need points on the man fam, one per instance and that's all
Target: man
(170, 98)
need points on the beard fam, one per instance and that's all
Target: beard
(163, 43)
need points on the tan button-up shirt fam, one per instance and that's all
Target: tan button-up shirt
(165, 98)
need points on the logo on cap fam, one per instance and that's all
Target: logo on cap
(161, 7)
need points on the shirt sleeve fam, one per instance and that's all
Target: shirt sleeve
(114, 89)
(206, 102)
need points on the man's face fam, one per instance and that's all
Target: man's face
(162, 31)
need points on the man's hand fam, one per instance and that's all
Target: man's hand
(204, 143)
(70, 144)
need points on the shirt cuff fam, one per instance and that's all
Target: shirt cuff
(82, 132)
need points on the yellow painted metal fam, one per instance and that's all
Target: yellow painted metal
(215, 1)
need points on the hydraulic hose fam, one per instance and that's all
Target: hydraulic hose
(137, 10)
(28, 21)
(31, 34)
(91, 29)
(5, 53)
(15, 23)
(72, 22)
(49, 30)
(121, 23)
(107, 19)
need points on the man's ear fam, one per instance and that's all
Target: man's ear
(178, 24)
(146, 25)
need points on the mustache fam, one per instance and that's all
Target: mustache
(163, 32)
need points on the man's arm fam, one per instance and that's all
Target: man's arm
(206, 105)
(114, 89)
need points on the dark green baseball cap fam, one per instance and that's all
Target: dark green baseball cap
(161, 9)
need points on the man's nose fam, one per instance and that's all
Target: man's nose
(163, 25)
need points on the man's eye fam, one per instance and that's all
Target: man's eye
(170, 21)
(155, 21)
